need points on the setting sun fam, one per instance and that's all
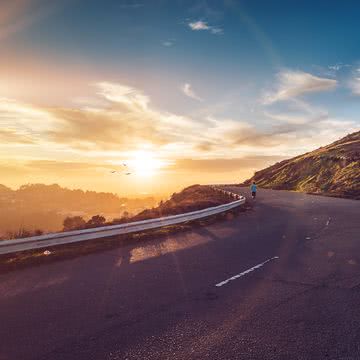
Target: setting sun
(144, 163)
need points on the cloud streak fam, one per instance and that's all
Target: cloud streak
(204, 26)
(291, 84)
(168, 43)
(125, 120)
(188, 91)
(354, 85)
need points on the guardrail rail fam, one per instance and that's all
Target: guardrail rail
(53, 239)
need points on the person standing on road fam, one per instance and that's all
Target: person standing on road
(253, 189)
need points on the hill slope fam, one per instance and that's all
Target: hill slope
(332, 170)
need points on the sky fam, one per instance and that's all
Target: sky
(147, 97)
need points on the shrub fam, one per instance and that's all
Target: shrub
(96, 220)
(73, 223)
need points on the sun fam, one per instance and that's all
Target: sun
(144, 163)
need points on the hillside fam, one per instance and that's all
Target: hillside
(39, 206)
(332, 170)
(192, 198)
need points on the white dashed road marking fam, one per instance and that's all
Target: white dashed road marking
(245, 272)
(328, 222)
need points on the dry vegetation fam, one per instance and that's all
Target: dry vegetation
(333, 170)
(192, 198)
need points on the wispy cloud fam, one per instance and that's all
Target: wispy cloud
(297, 111)
(335, 67)
(338, 66)
(124, 121)
(203, 25)
(168, 43)
(123, 94)
(188, 91)
(291, 84)
(303, 126)
(354, 85)
(127, 118)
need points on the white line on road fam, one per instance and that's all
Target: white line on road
(245, 272)
(328, 222)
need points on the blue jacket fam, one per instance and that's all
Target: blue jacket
(253, 188)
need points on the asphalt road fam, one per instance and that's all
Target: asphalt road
(159, 300)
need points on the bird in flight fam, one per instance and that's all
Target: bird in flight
(115, 171)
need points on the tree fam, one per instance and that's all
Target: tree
(96, 220)
(73, 223)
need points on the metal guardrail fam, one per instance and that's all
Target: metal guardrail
(47, 240)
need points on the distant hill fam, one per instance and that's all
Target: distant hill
(4, 190)
(39, 206)
(332, 170)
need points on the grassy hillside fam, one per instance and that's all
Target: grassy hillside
(192, 198)
(332, 170)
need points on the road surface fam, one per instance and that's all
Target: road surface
(281, 281)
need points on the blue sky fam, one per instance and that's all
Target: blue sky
(258, 40)
(187, 80)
